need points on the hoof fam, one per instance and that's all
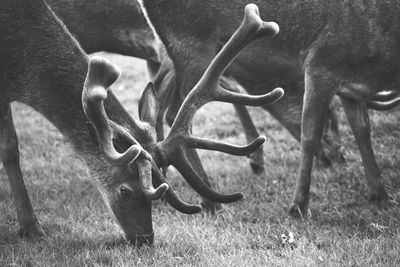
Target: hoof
(211, 207)
(297, 213)
(257, 167)
(340, 158)
(257, 161)
(323, 160)
(32, 231)
(379, 197)
(330, 157)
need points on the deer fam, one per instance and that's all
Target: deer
(44, 67)
(120, 27)
(343, 48)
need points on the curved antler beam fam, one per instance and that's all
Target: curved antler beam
(383, 106)
(101, 75)
(385, 96)
(196, 182)
(208, 89)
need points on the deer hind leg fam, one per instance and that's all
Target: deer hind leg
(320, 89)
(331, 151)
(152, 69)
(357, 116)
(28, 223)
(161, 113)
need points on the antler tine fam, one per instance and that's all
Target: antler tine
(385, 96)
(145, 178)
(234, 93)
(383, 106)
(101, 75)
(197, 142)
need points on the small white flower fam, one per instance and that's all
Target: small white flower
(291, 238)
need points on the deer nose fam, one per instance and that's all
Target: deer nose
(140, 240)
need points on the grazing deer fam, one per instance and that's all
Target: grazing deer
(44, 67)
(348, 48)
(120, 27)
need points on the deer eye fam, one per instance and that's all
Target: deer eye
(125, 191)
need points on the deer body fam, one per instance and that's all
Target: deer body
(360, 38)
(350, 48)
(110, 26)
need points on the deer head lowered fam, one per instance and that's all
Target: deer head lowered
(142, 154)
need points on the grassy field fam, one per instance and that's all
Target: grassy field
(343, 229)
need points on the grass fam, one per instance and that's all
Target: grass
(343, 227)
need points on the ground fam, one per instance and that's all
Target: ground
(343, 227)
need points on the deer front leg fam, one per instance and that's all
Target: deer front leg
(319, 91)
(28, 223)
(357, 115)
(250, 131)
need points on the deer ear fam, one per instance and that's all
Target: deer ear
(148, 105)
(92, 133)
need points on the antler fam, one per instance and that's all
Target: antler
(101, 75)
(385, 96)
(208, 89)
(383, 101)
(173, 150)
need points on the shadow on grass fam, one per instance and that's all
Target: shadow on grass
(362, 219)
